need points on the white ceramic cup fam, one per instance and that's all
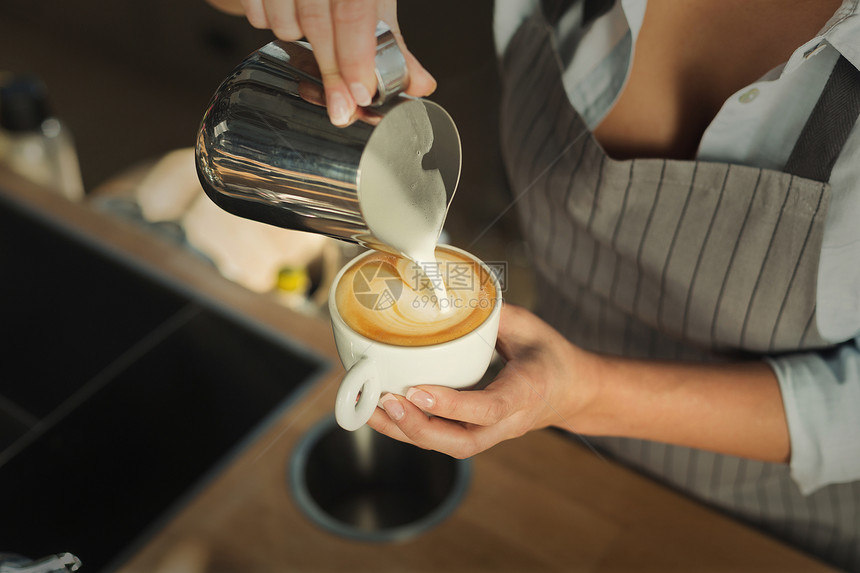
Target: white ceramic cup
(376, 368)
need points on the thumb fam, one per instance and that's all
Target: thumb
(520, 331)
(421, 83)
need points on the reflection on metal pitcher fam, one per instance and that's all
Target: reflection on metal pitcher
(267, 151)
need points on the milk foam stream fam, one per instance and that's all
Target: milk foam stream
(404, 204)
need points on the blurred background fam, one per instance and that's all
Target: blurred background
(132, 79)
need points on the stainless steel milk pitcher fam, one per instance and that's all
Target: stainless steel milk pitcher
(267, 151)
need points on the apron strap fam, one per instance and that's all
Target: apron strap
(829, 125)
(594, 9)
(553, 10)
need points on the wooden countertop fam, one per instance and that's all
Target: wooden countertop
(542, 502)
(539, 503)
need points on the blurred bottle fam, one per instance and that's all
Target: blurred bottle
(33, 143)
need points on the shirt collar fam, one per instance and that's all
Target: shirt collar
(842, 32)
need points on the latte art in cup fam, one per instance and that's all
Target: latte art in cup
(390, 299)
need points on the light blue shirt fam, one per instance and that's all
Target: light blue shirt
(759, 126)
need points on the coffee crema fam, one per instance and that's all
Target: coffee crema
(389, 299)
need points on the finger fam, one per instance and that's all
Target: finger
(255, 13)
(281, 16)
(315, 20)
(519, 330)
(355, 46)
(498, 401)
(421, 83)
(233, 7)
(384, 424)
(453, 438)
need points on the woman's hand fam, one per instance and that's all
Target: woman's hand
(546, 381)
(731, 408)
(343, 36)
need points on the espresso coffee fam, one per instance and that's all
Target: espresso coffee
(390, 299)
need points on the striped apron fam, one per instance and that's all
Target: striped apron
(681, 260)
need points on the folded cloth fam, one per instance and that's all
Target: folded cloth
(248, 252)
(168, 189)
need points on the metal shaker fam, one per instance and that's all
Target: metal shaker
(267, 151)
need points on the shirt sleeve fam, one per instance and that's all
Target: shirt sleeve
(821, 395)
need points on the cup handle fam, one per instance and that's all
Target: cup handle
(361, 377)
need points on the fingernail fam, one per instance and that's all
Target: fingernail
(420, 398)
(360, 94)
(393, 407)
(338, 109)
